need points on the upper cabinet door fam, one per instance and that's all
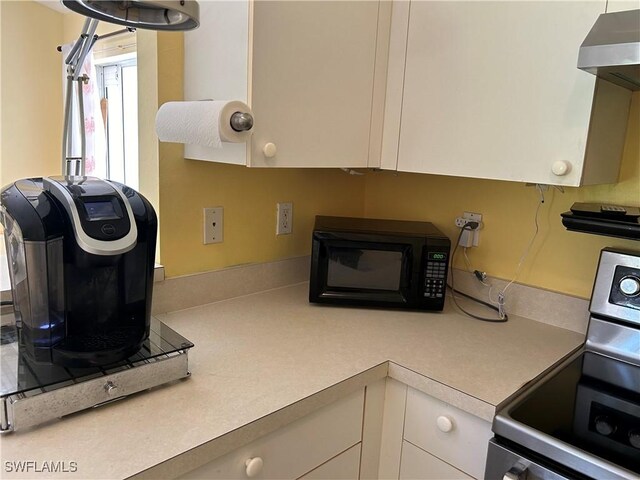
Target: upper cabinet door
(312, 81)
(491, 90)
(313, 73)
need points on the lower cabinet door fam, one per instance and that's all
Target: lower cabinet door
(295, 449)
(345, 466)
(457, 437)
(416, 464)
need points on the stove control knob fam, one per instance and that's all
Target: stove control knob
(634, 438)
(604, 425)
(630, 286)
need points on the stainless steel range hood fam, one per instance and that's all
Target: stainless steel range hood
(611, 50)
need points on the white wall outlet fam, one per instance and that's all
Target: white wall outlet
(469, 238)
(213, 225)
(475, 234)
(284, 219)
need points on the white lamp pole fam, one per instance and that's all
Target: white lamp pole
(72, 162)
(154, 15)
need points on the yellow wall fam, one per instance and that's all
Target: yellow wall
(30, 91)
(31, 87)
(249, 197)
(30, 145)
(559, 260)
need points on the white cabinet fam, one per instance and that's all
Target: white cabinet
(345, 466)
(491, 90)
(312, 71)
(450, 434)
(319, 439)
(416, 464)
(215, 67)
(426, 438)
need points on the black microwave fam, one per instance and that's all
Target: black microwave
(378, 263)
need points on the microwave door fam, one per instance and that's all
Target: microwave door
(364, 273)
(364, 269)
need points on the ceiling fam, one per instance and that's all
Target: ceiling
(54, 5)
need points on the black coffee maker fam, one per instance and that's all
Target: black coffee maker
(81, 256)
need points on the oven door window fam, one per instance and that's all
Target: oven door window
(364, 268)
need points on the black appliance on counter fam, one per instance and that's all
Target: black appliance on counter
(378, 263)
(582, 420)
(81, 256)
(610, 220)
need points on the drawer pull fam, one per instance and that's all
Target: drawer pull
(254, 466)
(111, 388)
(517, 472)
(445, 424)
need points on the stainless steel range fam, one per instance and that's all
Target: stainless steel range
(583, 419)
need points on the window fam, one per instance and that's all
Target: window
(118, 88)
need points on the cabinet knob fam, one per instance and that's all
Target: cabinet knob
(253, 466)
(561, 167)
(269, 150)
(445, 424)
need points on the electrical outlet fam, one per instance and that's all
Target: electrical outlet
(213, 225)
(284, 219)
(469, 238)
(475, 234)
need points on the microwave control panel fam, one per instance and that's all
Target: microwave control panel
(435, 281)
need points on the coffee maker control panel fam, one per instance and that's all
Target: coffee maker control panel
(98, 211)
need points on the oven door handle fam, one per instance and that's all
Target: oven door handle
(517, 472)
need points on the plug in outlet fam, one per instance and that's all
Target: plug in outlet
(469, 238)
(284, 223)
(213, 225)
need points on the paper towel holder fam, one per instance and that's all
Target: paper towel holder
(241, 121)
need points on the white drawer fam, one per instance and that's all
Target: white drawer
(296, 448)
(416, 464)
(465, 443)
(345, 466)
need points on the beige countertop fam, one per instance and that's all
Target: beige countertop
(263, 360)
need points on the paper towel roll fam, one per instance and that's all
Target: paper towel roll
(206, 122)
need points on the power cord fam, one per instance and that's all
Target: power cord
(503, 316)
(481, 275)
(525, 254)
